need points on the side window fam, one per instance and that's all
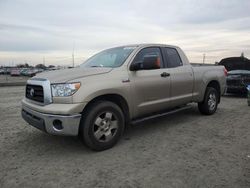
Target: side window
(151, 51)
(172, 57)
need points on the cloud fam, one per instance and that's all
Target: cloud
(52, 28)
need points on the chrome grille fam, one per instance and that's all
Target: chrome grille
(35, 92)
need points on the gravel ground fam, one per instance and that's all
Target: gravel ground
(185, 149)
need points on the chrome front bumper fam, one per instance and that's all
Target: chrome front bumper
(49, 122)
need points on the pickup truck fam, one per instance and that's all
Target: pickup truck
(116, 87)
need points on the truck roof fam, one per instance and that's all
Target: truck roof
(148, 44)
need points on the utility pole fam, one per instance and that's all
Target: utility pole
(5, 72)
(204, 58)
(242, 55)
(73, 56)
(73, 59)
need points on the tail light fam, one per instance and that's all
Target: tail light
(225, 71)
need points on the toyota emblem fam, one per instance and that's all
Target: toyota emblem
(32, 92)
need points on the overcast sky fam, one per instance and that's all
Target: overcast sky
(31, 30)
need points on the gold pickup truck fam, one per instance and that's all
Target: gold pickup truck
(116, 87)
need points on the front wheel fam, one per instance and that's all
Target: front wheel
(102, 125)
(209, 105)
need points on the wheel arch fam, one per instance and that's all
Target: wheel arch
(115, 98)
(216, 85)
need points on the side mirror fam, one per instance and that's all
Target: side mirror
(148, 63)
(136, 66)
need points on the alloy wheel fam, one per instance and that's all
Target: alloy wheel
(105, 126)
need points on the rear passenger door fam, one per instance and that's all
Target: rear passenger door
(181, 77)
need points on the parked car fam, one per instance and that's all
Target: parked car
(23, 71)
(7, 70)
(31, 72)
(118, 86)
(2, 71)
(15, 72)
(39, 71)
(237, 81)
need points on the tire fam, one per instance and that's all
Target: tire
(102, 126)
(209, 105)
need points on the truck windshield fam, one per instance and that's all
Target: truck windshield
(114, 57)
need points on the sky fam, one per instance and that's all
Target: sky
(50, 30)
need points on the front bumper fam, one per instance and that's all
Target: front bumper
(49, 122)
(236, 89)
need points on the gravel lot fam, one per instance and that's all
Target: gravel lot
(185, 149)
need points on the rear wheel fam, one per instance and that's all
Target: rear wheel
(102, 126)
(209, 105)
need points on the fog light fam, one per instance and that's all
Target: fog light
(57, 124)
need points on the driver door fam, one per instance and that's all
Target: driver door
(150, 88)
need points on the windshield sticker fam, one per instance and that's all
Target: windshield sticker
(129, 48)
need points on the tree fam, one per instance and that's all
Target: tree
(26, 65)
(40, 66)
(51, 66)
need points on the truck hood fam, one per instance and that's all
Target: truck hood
(65, 75)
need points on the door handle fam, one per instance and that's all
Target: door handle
(164, 74)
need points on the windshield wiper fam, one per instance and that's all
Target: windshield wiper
(96, 66)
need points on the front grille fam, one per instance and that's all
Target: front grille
(234, 82)
(36, 94)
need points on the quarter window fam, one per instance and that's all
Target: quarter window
(172, 57)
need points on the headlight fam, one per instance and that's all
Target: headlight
(64, 90)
